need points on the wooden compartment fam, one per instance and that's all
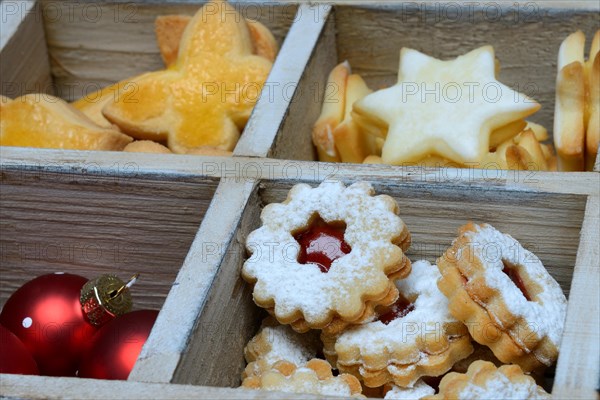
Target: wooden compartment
(559, 224)
(71, 50)
(185, 219)
(369, 35)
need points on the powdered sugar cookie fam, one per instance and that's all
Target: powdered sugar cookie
(316, 377)
(484, 381)
(326, 256)
(419, 390)
(415, 337)
(504, 295)
(274, 343)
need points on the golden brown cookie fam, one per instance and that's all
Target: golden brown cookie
(484, 381)
(41, 120)
(274, 343)
(316, 377)
(504, 295)
(314, 284)
(415, 337)
(206, 97)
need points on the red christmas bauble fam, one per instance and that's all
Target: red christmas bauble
(14, 356)
(45, 314)
(117, 345)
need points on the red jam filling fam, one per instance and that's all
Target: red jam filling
(514, 276)
(399, 309)
(322, 244)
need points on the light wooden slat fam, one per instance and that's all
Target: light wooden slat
(181, 166)
(24, 66)
(164, 349)
(229, 318)
(43, 387)
(291, 95)
(578, 370)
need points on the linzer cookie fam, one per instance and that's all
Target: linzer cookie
(316, 377)
(326, 256)
(274, 343)
(484, 381)
(504, 295)
(415, 337)
(419, 390)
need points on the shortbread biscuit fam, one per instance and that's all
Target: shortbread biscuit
(332, 113)
(146, 146)
(44, 121)
(504, 295)
(207, 96)
(274, 343)
(415, 337)
(419, 390)
(316, 377)
(484, 381)
(358, 276)
(169, 30)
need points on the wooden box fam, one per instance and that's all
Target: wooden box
(182, 220)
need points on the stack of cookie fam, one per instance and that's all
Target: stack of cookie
(331, 259)
(439, 113)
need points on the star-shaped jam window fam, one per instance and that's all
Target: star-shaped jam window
(442, 108)
(206, 97)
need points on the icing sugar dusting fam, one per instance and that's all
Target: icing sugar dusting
(288, 345)
(547, 311)
(402, 334)
(371, 225)
(500, 387)
(418, 391)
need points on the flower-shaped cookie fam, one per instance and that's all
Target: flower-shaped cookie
(316, 377)
(415, 337)
(484, 381)
(504, 295)
(335, 277)
(206, 97)
(274, 343)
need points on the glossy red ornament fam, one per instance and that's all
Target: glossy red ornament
(14, 356)
(321, 244)
(45, 314)
(117, 345)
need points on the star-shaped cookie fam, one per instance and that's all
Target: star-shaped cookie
(443, 108)
(206, 97)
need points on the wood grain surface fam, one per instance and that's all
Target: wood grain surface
(24, 66)
(91, 224)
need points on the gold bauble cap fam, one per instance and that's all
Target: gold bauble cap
(105, 298)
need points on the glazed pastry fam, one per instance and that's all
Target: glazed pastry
(337, 251)
(316, 377)
(484, 381)
(504, 295)
(415, 337)
(206, 97)
(169, 30)
(146, 146)
(274, 343)
(93, 103)
(41, 120)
